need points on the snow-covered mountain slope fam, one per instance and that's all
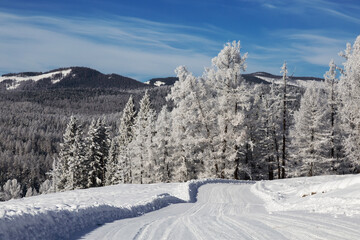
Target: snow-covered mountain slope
(162, 81)
(324, 207)
(14, 81)
(73, 77)
(292, 80)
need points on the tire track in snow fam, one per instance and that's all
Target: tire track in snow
(228, 211)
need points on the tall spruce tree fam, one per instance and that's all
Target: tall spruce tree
(113, 170)
(163, 168)
(142, 164)
(97, 153)
(70, 157)
(126, 135)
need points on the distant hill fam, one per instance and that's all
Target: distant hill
(73, 77)
(254, 78)
(87, 78)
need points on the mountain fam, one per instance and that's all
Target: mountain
(82, 77)
(73, 77)
(253, 78)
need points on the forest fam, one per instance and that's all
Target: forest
(213, 126)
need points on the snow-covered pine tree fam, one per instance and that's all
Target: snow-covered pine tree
(163, 169)
(46, 187)
(97, 153)
(286, 119)
(270, 120)
(31, 192)
(331, 83)
(68, 156)
(310, 135)
(192, 128)
(11, 190)
(78, 164)
(142, 164)
(232, 100)
(349, 89)
(126, 134)
(113, 172)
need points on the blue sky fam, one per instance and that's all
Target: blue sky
(145, 39)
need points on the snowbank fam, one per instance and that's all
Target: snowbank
(335, 195)
(60, 215)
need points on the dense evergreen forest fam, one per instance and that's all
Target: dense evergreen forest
(32, 124)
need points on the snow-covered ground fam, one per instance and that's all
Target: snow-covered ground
(336, 195)
(61, 215)
(326, 207)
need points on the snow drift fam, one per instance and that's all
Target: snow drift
(60, 215)
(336, 195)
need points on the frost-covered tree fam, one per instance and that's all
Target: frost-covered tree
(264, 120)
(192, 127)
(31, 192)
(11, 190)
(126, 134)
(232, 101)
(46, 187)
(330, 83)
(311, 134)
(331, 90)
(349, 89)
(163, 169)
(113, 169)
(208, 117)
(97, 153)
(142, 164)
(70, 157)
(286, 97)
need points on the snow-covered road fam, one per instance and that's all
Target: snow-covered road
(228, 211)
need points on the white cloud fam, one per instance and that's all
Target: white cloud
(130, 46)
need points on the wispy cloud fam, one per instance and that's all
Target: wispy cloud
(333, 8)
(316, 48)
(128, 46)
(268, 5)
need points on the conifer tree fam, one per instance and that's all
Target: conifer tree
(68, 156)
(310, 135)
(163, 168)
(11, 190)
(286, 115)
(349, 89)
(270, 120)
(113, 170)
(232, 100)
(97, 153)
(141, 144)
(126, 134)
(192, 124)
(331, 89)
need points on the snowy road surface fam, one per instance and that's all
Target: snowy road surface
(228, 211)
